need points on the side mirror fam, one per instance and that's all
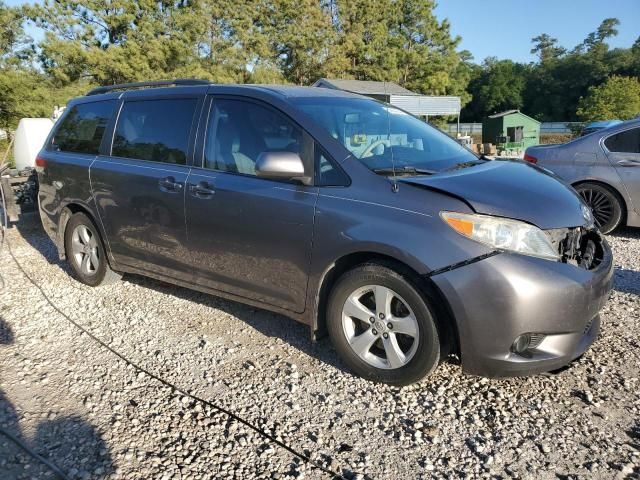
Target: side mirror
(281, 166)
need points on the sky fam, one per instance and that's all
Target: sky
(504, 28)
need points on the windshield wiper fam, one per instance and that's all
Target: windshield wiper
(472, 163)
(406, 170)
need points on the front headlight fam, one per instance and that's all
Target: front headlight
(502, 233)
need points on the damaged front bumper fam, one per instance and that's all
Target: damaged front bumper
(499, 300)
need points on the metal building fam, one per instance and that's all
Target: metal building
(424, 106)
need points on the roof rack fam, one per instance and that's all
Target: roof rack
(155, 83)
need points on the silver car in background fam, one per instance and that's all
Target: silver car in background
(604, 167)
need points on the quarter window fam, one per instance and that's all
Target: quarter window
(624, 142)
(239, 131)
(329, 174)
(81, 130)
(155, 130)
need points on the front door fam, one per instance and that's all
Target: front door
(623, 151)
(140, 188)
(247, 235)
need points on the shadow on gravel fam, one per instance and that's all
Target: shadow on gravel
(268, 323)
(31, 230)
(626, 234)
(70, 443)
(626, 281)
(6, 332)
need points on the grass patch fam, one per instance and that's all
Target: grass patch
(546, 139)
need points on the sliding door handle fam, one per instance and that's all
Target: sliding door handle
(169, 184)
(201, 190)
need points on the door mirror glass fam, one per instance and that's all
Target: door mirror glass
(281, 166)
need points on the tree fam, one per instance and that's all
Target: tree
(617, 98)
(596, 40)
(21, 90)
(425, 49)
(15, 48)
(499, 85)
(400, 41)
(119, 40)
(554, 87)
(546, 47)
(363, 40)
(301, 38)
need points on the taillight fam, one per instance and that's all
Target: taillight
(529, 158)
(41, 162)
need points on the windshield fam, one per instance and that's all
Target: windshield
(384, 137)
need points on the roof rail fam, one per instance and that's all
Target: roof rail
(155, 83)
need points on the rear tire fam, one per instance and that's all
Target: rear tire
(605, 204)
(382, 327)
(86, 253)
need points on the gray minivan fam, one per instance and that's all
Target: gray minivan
(339, 211)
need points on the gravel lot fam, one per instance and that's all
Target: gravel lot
(95, 417)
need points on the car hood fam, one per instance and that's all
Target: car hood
(510, 189)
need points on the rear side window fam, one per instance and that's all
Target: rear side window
(81, 130)
(155, 130)
(624, 142)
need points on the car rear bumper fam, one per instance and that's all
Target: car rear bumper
(501, 297)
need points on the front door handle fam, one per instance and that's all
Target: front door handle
(629, 163)
(201, 190)
(169, 184)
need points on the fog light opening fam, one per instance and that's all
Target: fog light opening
(521, 344)
(525, 343)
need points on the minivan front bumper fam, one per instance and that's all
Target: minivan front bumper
(499, 298)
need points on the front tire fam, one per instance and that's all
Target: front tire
(605, 204)
(382, 326)
(86, 253)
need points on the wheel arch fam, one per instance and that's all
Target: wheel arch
(616, 191)
(65, 215)
(444, 318)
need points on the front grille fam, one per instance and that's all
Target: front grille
(587, 327)
(578, 246)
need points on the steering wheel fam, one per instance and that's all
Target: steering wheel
(368, 151)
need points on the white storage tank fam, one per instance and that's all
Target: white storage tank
(30, 136)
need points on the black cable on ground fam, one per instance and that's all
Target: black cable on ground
(268, 436)
(40, 458)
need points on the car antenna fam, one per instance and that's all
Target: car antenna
(394, 185)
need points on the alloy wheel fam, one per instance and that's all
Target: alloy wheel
(380, 327)
(601, 205)
(84, 248)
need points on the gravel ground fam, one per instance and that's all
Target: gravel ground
(96, 417)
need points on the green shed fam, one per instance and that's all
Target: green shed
(511, 130)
